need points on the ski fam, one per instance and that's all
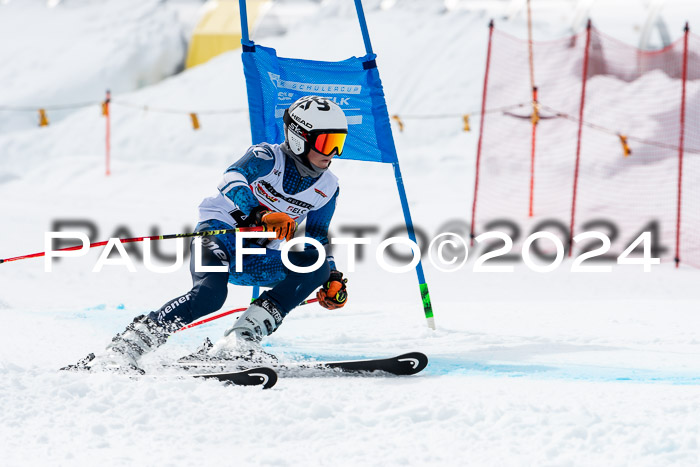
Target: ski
(251, 376)
(261, 376)
(400, 365)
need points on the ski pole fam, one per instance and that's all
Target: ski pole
(204, 233)
(229, 312)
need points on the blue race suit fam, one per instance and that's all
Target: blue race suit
(288, 288)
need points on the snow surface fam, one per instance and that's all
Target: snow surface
(526, 368)
(72, 53)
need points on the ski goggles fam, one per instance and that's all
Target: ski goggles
(326, 143)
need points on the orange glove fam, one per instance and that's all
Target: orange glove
(333, 294)
(279, 223)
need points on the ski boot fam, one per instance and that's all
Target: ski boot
(242, 341)
(141, 336)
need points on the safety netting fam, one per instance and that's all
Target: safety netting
(618, 152)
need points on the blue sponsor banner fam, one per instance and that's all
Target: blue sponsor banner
(274, 83)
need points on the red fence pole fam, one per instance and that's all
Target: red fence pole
(680, 147)
(107, 132)
(531, 54)
(535, 107)
(535, 118)
(481, 129)
(584, 80)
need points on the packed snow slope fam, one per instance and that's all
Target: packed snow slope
(526, 368)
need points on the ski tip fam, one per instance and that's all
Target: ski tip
(415, 362)
(266, 376)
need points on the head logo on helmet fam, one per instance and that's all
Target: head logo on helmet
(315, 122)
(301, 121)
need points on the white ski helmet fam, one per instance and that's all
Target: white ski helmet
(315, 122)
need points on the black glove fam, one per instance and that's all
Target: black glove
(252, 219)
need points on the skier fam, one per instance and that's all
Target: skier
(273, 186)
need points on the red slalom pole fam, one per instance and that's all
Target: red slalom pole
(230, 312)
(204, 233)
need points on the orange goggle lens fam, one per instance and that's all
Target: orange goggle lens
(326, 143)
